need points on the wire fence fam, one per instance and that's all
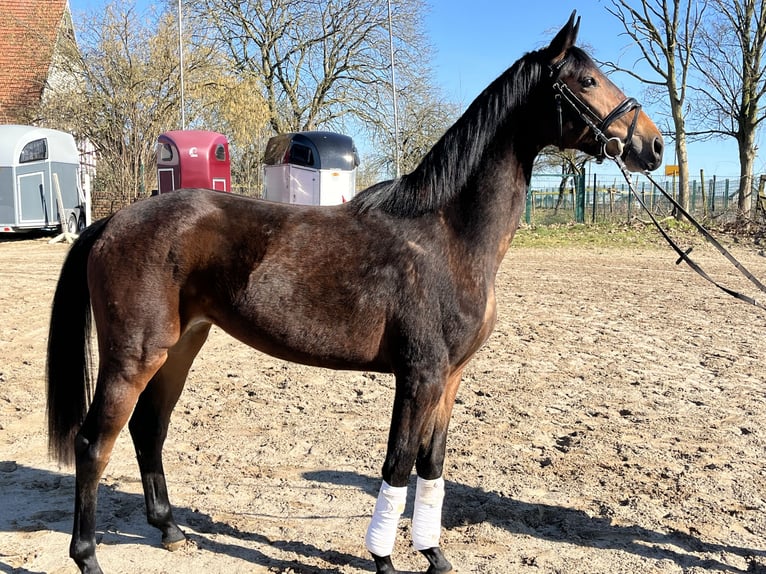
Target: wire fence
(553, 199)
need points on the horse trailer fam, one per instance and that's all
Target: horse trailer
(30, 157)
(193, 158)
(310, 168)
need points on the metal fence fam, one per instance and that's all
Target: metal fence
(607, 198)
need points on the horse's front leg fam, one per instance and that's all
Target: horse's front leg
(418, 403)
(429, 495)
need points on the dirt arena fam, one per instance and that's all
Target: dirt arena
(614, 423)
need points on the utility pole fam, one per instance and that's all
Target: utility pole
(181, 64)
(393, 90)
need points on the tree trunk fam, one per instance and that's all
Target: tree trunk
(682, 158)
(746, 162)
(676, 96)
(562, 190)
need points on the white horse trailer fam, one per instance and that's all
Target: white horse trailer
(310, 168)
(29, 159)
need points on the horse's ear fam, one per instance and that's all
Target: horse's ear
(564, 40)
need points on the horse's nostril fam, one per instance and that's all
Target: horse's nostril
(659, 147)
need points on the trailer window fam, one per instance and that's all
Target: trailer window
(34, 151)
(301, 155)
(166, 152)
(220, 152)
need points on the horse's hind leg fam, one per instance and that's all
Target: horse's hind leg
(117, 390)
(149, 428)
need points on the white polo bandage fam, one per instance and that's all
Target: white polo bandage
(427, 515)
(381, 534)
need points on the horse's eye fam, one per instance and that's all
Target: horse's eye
(588, 82)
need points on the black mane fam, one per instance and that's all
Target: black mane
(447, 167)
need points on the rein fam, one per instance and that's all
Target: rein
(683, 255)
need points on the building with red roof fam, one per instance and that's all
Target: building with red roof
(32, 33)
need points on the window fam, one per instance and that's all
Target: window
(301, 155)
(220, 152)
(166, 152)
(34, 151)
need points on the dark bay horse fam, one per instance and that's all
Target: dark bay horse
(399, 280)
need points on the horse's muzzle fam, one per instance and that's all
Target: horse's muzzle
(642, 155)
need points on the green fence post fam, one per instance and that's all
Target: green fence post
(528, 210)
(643, 192)
(593, 211)
(580, 199)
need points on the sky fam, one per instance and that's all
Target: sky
(474, 41)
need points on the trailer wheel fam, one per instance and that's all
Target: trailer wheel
(81, 224)
(72, 224)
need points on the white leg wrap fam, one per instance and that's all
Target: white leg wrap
(427, 516)
(381, 534)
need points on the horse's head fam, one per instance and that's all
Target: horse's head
(593, 115)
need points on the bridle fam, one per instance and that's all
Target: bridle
(610, 147)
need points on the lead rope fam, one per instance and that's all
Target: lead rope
(684, 255)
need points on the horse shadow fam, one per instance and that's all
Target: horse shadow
(471, 505)
(33, 499)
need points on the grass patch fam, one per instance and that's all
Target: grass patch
(638, 233)
(591, 235)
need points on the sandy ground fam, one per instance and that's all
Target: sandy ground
(614, 423)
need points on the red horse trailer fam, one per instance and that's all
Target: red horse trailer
(193, 158)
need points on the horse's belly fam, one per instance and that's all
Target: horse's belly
(323, 339)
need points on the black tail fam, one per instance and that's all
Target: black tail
(70, 386)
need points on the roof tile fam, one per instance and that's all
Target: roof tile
(28, 32)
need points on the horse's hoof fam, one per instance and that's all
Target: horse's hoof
(173, 539)
(383, 565)
(89, 568)
(438, 563)
(174, 545)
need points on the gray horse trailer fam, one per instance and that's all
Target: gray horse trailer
(29, 158)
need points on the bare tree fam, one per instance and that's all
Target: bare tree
(424, 117)
(665, 32)
(326, 63)
(123, 91)
(123, 95)
(733, 80)
(233, 105)
(570, 163)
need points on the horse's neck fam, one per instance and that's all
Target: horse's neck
(487, 211)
